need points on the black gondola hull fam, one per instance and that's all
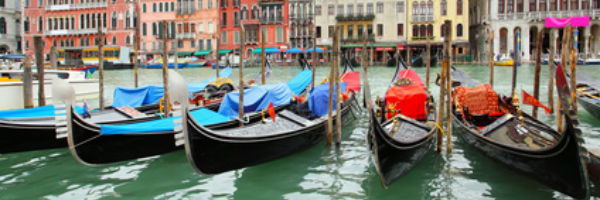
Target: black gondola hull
(589, 105)
(559, 168)
(211, 155)
(19, 138)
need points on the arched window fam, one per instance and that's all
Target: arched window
(127, 20)
(40, 24)
(415, 30)
(113, 21)
(254, 14)
(429, 30)
(127, 40)
(423, 31)
(154, 28)
(2, 3)
(459, 30)
(114, 40)
(430, 8)
(415, 8)
(443, 30)
(244, 13)
(2, 24)
(144, 31)
(423, 8)
(443, 7)
(459, 7)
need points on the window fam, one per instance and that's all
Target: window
(423, 30)
(200, 27)
(563, 4)
(2, 3)
(254, 13)
(350, 29)
(430, 30)
(160, 7)
(415, 8)
(279, 32)
(415, 31)
(40, 24)
(2, 25)
(379, 29)
(318, 32)
(360, 30)
(443, 30)
(360, 9)
(153, 7)
(400, 29)
(144, 31)
(211, 28)
(200, 44)
(330, 9)
(200, 7)
(509, 6)
(236, 37)
(350, 9)
(127, 20)
(113, 20)
(224, 19)
(224, 38)
(26, 3)
(379, 7)
(114, 40)
(40, 3)
(519, 5)
(154, 28)
(584, 5)
(369, 29)
(236, 18)
(128, 40)
(209, 5)
(318, 10)
(443, 7)
(330, 30)
(532, 5)
(208, 44)
(459, 30)
(144, 8)
(26, 24)
(575, 5)
(552, 5)
(340, 10)
(459, 7)
(172, 6)
(400, 6)
(166, 7)
(500, 6)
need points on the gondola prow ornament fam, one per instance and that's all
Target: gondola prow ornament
(64, 96)
(180, 95)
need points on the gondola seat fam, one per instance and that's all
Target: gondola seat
(479, 104)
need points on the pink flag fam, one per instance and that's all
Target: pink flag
(552, 22)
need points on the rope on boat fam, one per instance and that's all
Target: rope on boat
(438, 126)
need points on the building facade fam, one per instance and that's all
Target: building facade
(195, 21)
(427, 18)
(10, 26)
(505, 17)
(153, 13)
(301, 25)
(74, 23)
(383, 20)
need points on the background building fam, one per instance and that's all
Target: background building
(301, 13)
(10, 26)
(153, 13)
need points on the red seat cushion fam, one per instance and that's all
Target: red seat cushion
(409, 99)
(481, 99)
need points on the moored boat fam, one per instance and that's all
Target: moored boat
(517, 140)
(588, 92)
(401, 130)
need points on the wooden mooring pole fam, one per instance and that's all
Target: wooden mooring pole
(263, 56)
(491, 62)
(334, 54)
(100, 41)
(165, 69)
(428, 63)
(551, 68)
(538, 67)
(338, 93)
(217, 52)
(27, 83)
(563, 61)
(448, 59)
(573, 73)
(241, 87)
(39, 63)
(314, 59)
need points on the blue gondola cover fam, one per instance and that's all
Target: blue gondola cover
(319, 99)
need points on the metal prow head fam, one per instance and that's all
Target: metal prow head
(178, 91)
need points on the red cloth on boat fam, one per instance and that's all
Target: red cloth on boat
(352, 80)
(481, 99)
(409, 99)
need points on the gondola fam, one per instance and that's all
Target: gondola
(298, 127)
(420, 61)
(35, 129)
(500, 131)
(93, 144)
(588, 91)
(400, 136)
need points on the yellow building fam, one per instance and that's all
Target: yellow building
(425, 18)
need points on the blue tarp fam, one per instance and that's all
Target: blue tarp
(319, 50)
(256, 98)
(318, 100)
(135, 97)
(203, 116)
(300, 82)
(42, 111)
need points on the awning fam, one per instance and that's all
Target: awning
(267, 50)
(185, 53)
(383, 45)
(202, 52)
(351, 45)
(225, 51)
(384, 48)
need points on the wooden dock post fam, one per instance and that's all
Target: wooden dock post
(217, 53)
(448, 86)
(491, 63)
(536, 77)
(39, 63)
(241, 87)
(314, 59)
(517, 50)
(136, 64)
(551, 68)
(100, 41)
(563, 61)
(442, 101)
(573, 68)
(363, 64)
(27, 83)
(334, 54)
(428, 63)
(165, 68)
(263, 56)
(338, 93)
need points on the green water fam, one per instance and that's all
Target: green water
(320, 172)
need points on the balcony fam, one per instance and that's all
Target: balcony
(541, 15)
(186, 36)
(185, 11)
(87, 31)
(76, 6)
(359, 39)
(422, 18)
(271, 20)
(356, 17)
(422, 37)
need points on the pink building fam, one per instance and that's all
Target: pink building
(196, 24)
(74, 23)
(153, 12)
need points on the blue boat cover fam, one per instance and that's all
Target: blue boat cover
(135, 97)
(319, 99)
(37, 112)
(203, 116)
(255, 99)
(300, 82)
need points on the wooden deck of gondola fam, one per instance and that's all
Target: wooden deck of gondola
(211, 153)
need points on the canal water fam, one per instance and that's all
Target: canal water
(320, 172)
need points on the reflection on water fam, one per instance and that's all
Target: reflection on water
(320, 172)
